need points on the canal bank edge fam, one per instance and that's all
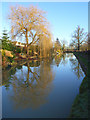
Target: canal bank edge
(80, 107)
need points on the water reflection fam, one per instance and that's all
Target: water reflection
(76, 68)
(61, 59)
(70, 55)
(57, 60)
(31, 86)
(64, 59)
(31, 89)
(80, 105)
(6, 77)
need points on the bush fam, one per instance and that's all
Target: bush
(3, 53)
(9, 59)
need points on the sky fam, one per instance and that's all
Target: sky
(62, 16)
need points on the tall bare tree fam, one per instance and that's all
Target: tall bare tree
(78, 37)
(29, 22)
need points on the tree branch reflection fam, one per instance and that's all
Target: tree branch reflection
(76, 68)
(31, 85)
(57, 59)
(64, 60)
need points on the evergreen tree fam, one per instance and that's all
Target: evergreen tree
(5, 40)
(6, 43)
(57, 45)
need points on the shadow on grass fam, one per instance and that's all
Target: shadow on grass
(80, 105)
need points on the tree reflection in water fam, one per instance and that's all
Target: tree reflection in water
(7, 76)
(70, 55)
(57, 59)
(76, 67)
(61, 58)
(64, 60)
(31, 86)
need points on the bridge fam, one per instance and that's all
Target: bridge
(73, 50)
(70, 51)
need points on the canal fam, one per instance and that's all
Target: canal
(41, 88)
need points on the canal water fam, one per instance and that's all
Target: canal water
(41, 89)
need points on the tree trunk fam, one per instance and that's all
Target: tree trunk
(78, 40)
(27, 42)
(40, 50)
(78, 44)
(34, 49)
(28, 74)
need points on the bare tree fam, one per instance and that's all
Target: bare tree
(29, 22)
(78, 37)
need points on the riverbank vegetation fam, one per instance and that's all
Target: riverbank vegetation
(13, 51)
(31, 38)
(30, 35)
(32, 25)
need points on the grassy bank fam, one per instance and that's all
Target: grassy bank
(80, 107)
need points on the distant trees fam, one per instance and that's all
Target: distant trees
(57, 45)
(78, 38)
(63, 45)
(31, 24)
